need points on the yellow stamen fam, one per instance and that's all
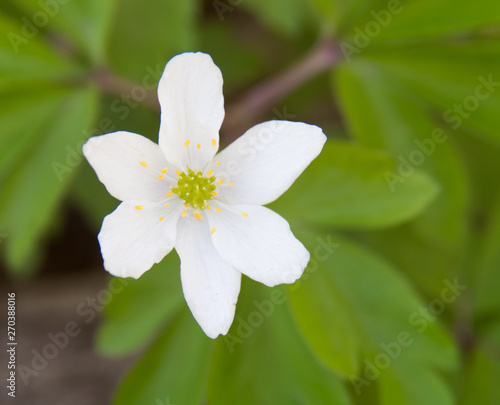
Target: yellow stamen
(244, 214)
(164, 171)
(218, 210)
(208, 207)
(185, 205)
(230, 184)
(139, 207)
(215, 194)
(212, 231)
(198, 146)
(144, 164)
(184, 213)
(177, 172)
(187, 142)
(214, 142)
(221, 181)
(166, 205)
(161, 218)
(170, 194)
(197, 215)
(217, 163)
(210, 172)
(160, 177)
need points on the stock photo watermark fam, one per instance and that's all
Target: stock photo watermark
(363, 36)
(158, 401)
(222, 7)
(455, 117)
(47, 9)
(60, 340)
(419, 321)
(11, 345)
(246, 326)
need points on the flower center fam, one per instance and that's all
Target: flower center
(195, 189)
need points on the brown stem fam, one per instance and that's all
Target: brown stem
(243, 113)
(111, 84)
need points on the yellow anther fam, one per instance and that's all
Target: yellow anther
(161, 218)
(187, 142)
(230, 184)
(166, 205)
(164, 171)
(139, 207)
(214, 142)
(217, 163)
(144, 164)
(198, 146)
(160, 177)
(210, 172)
(215, 194)
(218, 210)
(177, 172)
(244, 214)
(170, 194)
(197, 215)
(208, 207)
(185, 205)
(212, 231)
(184, 213)
(221, 181)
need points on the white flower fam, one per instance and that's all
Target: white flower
(208, 205)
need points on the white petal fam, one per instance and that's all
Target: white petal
(192, 110)
(266, 160)
(128, 165)
(132, 239)
(210, 285)
(259, 243)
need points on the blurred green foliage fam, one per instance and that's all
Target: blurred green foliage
(401, 206)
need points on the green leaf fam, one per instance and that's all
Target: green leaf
(480, 379)
(346, 14)
(85, 24)
(167, 27)
(36, 184)
(434, 19)
(385, 114)
(130, 321)
(263, 359)
(487, 299)
(481, 158)
(287, 17)
(424, 261)
(460, 80)
(323, 315)
(19, 136)
(174, 369)
(394, 335)
(348, 186)
(326, 7)
(27, 60)
(413, 385)
(89, 24)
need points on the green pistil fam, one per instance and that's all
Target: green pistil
(195, 189)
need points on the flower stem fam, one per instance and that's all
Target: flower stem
(244, 112)
(112, 84)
